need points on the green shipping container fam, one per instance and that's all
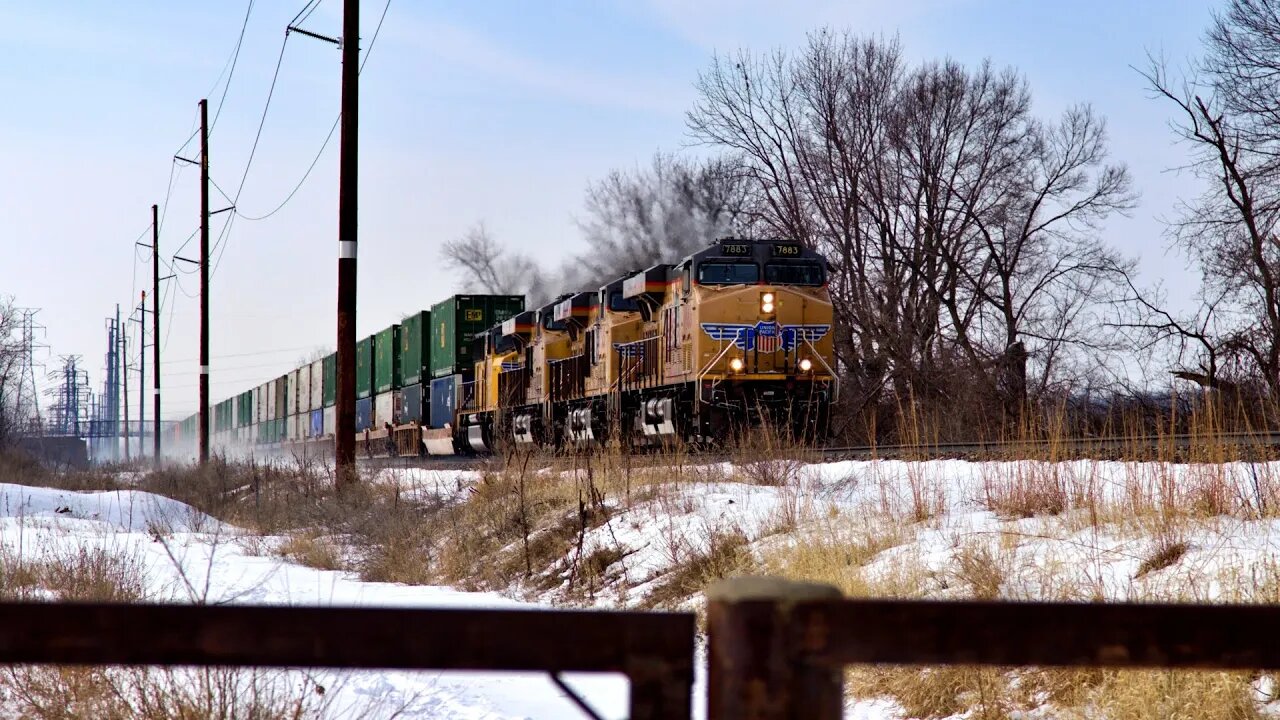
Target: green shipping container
(456, 321)
(386, 360)
(364, 367)
(415, 349)
(330, 379)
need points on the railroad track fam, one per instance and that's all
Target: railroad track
(1251, 446)
(1239, 445)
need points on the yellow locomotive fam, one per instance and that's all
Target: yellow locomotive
(737, 334)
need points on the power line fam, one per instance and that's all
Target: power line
(300, 18)
(332, 129)
(235, 58)
(314, 161)
(277, 351)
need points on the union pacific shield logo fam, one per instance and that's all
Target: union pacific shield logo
(765, 336)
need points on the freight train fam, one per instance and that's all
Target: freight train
(735, 335)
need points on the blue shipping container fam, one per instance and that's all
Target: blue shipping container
(317, 424)
(364, 413)
(444, 396)
(411, 403)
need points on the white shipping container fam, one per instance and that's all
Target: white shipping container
(386, 409)
(256, 416)
(304, 390)
(330, 420)
(271, 400)
(317, 385)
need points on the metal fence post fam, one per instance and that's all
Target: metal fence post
(756, 655)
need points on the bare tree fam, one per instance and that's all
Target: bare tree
(1226, 114)
(12, 347)
(488, 267)
(963, 230)
(676, 206)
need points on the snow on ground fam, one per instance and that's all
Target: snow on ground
(922, 519)
(1067, 555)
(188, 556)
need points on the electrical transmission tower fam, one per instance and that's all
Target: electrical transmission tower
(28, 391)
(20, 330)
(69, 393)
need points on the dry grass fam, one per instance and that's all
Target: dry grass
(94, 693)
(724, 554)
(312, 550)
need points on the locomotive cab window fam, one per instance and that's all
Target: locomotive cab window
(728, 273)
(503, 343)
(549, 322)
(618, 303)
(793, 274)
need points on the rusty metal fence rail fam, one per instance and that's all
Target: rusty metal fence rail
(777, 650)
(654, 650)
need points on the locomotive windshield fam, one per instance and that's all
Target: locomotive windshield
(549, 322)
(793, 274)
(618, 303)
(728, 273)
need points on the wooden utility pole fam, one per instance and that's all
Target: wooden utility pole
(142, 371)
(155, 331)
(204, 281)
(345, 429)
(124, 379)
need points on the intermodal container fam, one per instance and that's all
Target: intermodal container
(386, 360)
(300, 388)
(316, 393)
(315, 421)
(330, 420)
(291, 400)
(456, 321)
(415, 349)
(411, 404)
(364, 367)
(270, 394)
(386, 409)
(364, 413)
(443, 397)
(330, 380)
(283, 408)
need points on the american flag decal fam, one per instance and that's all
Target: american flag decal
(765, 336)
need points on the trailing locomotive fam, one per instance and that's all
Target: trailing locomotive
(735, 335)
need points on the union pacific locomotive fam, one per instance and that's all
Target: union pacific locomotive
(735, 335)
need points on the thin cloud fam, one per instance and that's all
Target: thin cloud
(464, 47)
(729, 24)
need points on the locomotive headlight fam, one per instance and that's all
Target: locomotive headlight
(806, 365)
(766, 298)
(736, 365)
(766, 307)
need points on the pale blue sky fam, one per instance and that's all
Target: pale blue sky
(501, 111)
